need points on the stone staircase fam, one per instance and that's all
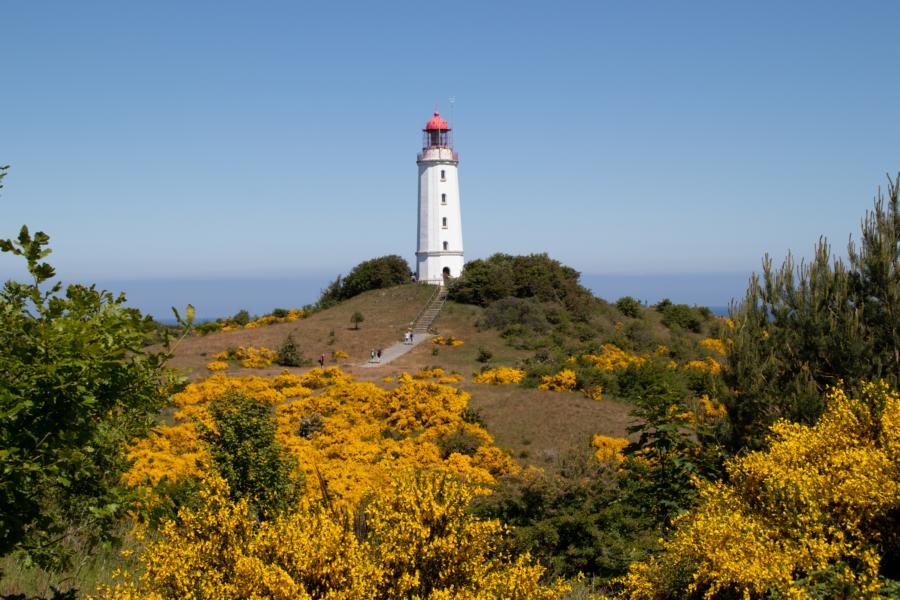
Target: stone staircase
(423, 322)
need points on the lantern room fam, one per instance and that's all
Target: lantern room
(437, 133)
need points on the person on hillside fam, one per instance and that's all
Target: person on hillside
(322, 362)
(378, 354)
(372, 356)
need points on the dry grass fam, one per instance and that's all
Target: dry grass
(387, 314)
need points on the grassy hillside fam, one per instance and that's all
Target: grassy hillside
(535, 426)
(387, 313)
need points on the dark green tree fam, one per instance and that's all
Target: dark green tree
(245, 452)
(628, 306)
(356, 318)
(289, 354)
(534, 276)
(374, 274)
(801, 328)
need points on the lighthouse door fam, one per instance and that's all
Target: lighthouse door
(446, 276)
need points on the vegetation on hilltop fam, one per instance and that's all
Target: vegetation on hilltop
(373, 274)
(535, 276)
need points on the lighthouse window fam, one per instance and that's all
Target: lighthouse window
(444, 221)
(443, 176)
(443, 198)
(446, 245)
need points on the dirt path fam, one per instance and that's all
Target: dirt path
(396, 351)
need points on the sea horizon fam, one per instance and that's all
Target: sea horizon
(219, 298)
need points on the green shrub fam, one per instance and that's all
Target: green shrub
(208, 327)
(289, 354)
(76, 388)
(574, 519)
(245, 452)
(461, 442)
(374, 274)
(310, 425)
(630, 307)
(241, 317)
(484, 355)
(473, 416)
(514, 316)
(684, 316)
(537, 276)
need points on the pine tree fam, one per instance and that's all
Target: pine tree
(802, 328)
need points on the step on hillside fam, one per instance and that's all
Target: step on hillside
(430, 312)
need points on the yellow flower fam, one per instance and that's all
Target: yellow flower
(563, 381)
(609, 449)
(499, 376)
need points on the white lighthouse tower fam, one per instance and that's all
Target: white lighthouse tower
(439, 254)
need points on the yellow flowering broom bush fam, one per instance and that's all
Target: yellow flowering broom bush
(449, 340)
(500, 376)
(613, 358)
(609, 449)
(809, 517)
(415, 539)
(250, 356)
(367, 430)
(564, 381)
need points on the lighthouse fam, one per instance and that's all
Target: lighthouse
(439, 254)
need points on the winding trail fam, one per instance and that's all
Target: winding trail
(396, 351)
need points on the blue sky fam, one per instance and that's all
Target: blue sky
(206, 141)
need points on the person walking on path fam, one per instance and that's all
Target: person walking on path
(378, 354)
(322, 362)
(372, 356)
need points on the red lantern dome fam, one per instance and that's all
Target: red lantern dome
(436, 124)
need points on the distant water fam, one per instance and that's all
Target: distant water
(216, 298)
(715, 290)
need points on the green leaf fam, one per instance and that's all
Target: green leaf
(190, 313)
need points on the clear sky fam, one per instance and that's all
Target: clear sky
(208, 141)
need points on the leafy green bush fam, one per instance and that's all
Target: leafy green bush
(686, 317)
(245, 452)
(289, 354)
(76, 388)
(241, 317)
(484, 355)
(473, 416)
(461, 442)
(374, 274)
(522, 313)
(537, 276)
(630, 307)
(310, 425)
(574, 518)
(208, 327)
